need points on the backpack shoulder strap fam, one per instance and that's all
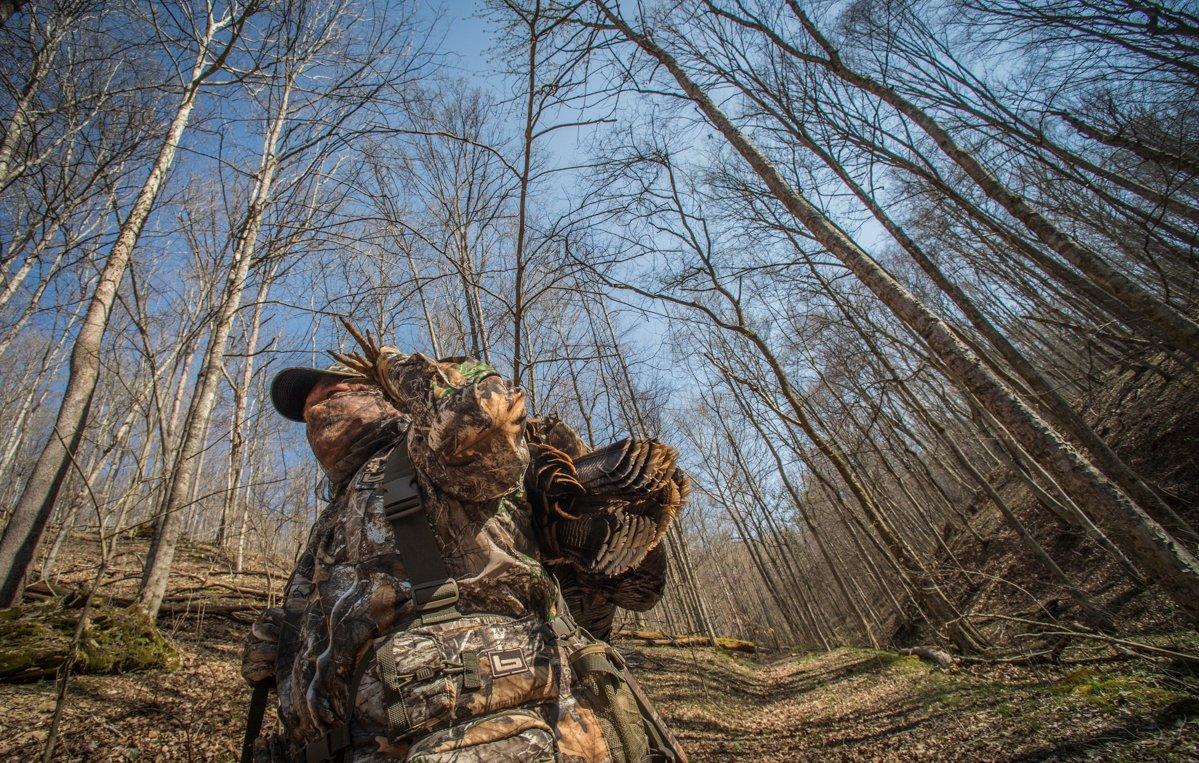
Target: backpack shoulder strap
(434, 591)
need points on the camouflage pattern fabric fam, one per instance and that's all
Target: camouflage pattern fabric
(517, 735)
(492, 685)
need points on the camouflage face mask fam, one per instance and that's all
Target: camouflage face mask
(345, 428)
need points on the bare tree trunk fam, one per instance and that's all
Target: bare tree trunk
(1027, 470)
(243, 523)
(22, 272)
(127, 498)
(678, 546)
(518, 296)
(643, 431)
(31, 401)
(20, 119)
(1045, 393)
(801, 508)
(241, 393)
(1138, 147)
(96, 465)
(434, 340)
(31, 307)
(162, 549)
(856, 528)
(1094, 613)
(474, 314)
(759, 563)
(1171, 327)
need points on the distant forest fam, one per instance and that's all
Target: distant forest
(896, 277)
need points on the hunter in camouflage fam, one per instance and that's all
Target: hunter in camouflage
(509, 676)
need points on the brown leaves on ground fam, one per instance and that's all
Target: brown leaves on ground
(195, 712)
(846, 705)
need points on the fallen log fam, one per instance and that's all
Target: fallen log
(1117, 644)
(70, 598)
(256, 592)
(196, 608)
(38, 637)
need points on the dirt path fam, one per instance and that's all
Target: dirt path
(857, 705)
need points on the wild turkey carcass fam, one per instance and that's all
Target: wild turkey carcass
(605, 510)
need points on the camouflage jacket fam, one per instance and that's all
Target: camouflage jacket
(349, 591)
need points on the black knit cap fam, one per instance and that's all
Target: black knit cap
(290, 387)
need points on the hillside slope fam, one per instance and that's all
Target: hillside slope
(1096, 703)
(1152, 413)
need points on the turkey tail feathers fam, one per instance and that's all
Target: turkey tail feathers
(626, 468)
(607, 544)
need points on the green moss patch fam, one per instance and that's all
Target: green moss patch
(35, 639)
(1113, 690)
(736, 644)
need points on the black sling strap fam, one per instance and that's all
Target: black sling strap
(254, 717)
(434, 592)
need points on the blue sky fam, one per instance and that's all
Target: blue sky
(466, 39)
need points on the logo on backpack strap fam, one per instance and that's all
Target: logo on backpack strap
(506, 662)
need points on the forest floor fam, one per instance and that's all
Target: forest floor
(857, 705)
(848, 704)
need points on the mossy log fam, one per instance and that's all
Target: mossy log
(658, 638)
(35, 639)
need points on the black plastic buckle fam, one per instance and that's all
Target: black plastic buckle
(328, 747)
(403, 498)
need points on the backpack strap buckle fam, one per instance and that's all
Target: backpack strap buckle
(435, 594)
